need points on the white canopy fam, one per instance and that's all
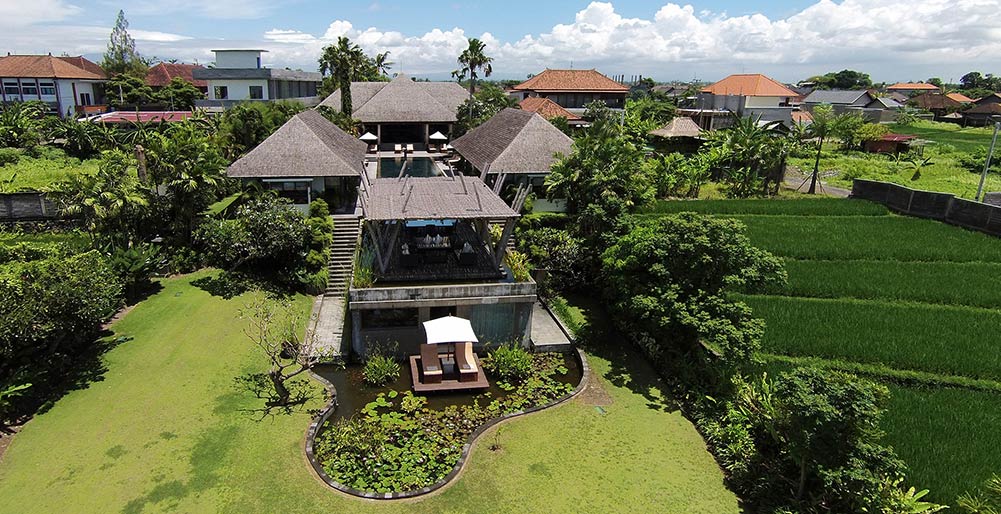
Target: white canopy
(368, 136)
(449, 329)
(438, 136)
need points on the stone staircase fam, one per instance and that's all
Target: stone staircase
(347, 229)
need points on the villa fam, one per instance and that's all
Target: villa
(403, 111)
(745, 95)
(160, 74)
(911, 88)
(573, 89)
(550, 110)
(69, 85)
(239, 75)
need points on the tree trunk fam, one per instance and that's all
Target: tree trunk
(282, 392)
(472, 91)
(802, 478)
(816, 168)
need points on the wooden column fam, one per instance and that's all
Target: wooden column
(502, 242)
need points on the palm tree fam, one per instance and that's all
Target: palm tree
(823, 123)
(382, 63)
(112, 203)
(344, 61)
(472, 60)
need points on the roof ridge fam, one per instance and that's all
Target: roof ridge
(311, 113)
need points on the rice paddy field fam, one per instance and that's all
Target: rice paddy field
(913, 303)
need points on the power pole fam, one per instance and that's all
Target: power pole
(987, 165)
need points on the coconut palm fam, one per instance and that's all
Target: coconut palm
(823, 124)
(382, 63)
(345, 61)
(112, 202)
(471, 61)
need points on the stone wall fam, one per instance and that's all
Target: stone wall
(985, 217)
(26, 207)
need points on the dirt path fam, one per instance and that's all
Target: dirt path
(797, 181)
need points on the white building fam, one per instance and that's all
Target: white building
(746, 95)
(239, 76)
(70, 85)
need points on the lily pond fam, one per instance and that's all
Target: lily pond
(389, 440)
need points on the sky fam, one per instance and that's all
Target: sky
(789, 40)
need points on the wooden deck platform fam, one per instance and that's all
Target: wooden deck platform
(449, 381)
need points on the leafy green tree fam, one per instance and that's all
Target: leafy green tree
(122, 58)
(846, 128)
(471, 61)
(268, 234)
(844, 79)
(669, 280)
(126, 90)
(113, 204)
(820, 129)
(21, 124)
(179, 95)
(487, 102)
(751, 156)
(244, 126)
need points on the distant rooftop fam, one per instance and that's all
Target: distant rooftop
(241, 50)
(571, 80)
(912, 85)
(749, 84)
(402, 100)
(47, 66)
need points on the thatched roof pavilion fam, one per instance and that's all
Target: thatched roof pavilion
(432, 198)
(513, 141)
(306, 146)
(681, 126)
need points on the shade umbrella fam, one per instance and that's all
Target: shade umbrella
(438, 136)
(368, 136)
(449, 329)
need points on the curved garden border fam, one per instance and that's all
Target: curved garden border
(328, 410)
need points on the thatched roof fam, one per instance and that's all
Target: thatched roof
(402, 100)
(513, 141)
(681, 126)
(308, 145)
(432, 198)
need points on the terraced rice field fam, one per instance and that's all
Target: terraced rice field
(913, 303)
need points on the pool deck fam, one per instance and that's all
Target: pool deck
(372, 161)
(449, 381)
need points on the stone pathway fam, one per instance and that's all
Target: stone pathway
(327, 327)
(546, 333)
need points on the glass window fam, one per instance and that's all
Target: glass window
(47, 88)
(221, 92)
(27, 89)
(11, 87)
(389, 318)
(256, 92)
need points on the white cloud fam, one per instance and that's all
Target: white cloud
(219, 9)
(19, 14)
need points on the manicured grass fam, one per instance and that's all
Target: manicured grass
(818, 206)
(167, 429)
(964, 139)
(869, 238)
(934, 338)
(44, 173)
(976, 284)
(948, 437)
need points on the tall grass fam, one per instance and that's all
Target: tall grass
(892, 238)
(818, 206)
(949, 438)
(938, 339)
(976, 284)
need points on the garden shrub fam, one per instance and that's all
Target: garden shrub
(380, 370)
(557, 252)
(518, 263)
(509, 362)
(9, 156)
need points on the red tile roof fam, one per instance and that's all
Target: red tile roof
(801, 117)
(935, 101)
(571, 80)
(960, 97)
(754, 84)
(907, 86)
(160, 74)
(47, 66)
(546, 108)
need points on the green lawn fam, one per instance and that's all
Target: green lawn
(43, 173)
(964, 139)
(910, 302)
(167, 430)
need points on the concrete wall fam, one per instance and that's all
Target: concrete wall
(238, 59)
(929, 204)
(26, 206)
(239, 89)
(763, 101)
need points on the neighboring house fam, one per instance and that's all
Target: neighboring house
(911, 88)
(573, 89)
(891, 143)
(160, 74)
(983, 111)
(746, 95)
(130, 117)
(306, 158)
(960, 97)
(239, 76)
(936, 103)
(898, 97)
(69, 85)
(802, 118)
(839, 99)
(515, 144)
(403, 111)
(549, 109)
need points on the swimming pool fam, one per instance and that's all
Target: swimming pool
(389, 167)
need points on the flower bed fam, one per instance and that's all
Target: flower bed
(398, 446)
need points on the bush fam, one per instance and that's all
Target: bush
(319, 209)
(518, 263)
(509, 362)
(380, 370)
(315, 283)
(557, 252)
(9, 156)
(184, 260)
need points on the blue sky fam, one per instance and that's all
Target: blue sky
(708, 39)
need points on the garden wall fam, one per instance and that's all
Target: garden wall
(26, 207)
(928, 204)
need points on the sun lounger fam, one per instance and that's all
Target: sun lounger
(410, 148)
(397, 148)
(430, 364)
(465, 361)
(371, 148)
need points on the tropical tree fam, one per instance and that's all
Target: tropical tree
(81, 139)
(128, 90)
(382, 63)
(274, 328)
(751, 156)
(112, 203)
(346, 62)
(121, 56)
(820, 129)
(487, 102)
(179, 95)
(471, 61)
(21, 124)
